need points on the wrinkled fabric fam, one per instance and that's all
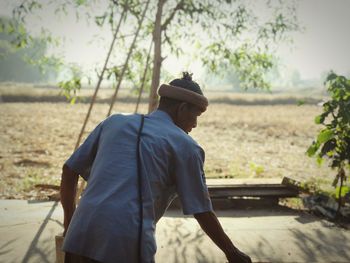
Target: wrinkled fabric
(105, 225)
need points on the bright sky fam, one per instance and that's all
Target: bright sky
(323, 45)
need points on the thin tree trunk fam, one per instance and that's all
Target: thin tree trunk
(342, 176)
(127, 60)
(144, 77)
(82, 182)
(157, 60)
(100, 78)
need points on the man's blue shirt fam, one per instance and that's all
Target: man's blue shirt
(105, 225)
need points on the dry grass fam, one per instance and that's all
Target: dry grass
(240, 141)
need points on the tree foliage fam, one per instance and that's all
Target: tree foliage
(333, 141)
(231, 34)
(219, 33)
(20, 60)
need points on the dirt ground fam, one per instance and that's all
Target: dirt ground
(245, 140)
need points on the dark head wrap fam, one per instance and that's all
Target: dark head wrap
(185, 90)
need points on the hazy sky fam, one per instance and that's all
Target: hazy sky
(323, 45)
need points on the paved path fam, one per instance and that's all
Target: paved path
(27, 231)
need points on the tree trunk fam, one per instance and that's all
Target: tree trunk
(127, 59)
(157, 57)
(342, 177)
(144, 77)
(100, 78)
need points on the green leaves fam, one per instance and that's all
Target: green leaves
(80, 2)
(249, 65)
(341, 192)
(70, 87)
(333, 142)
(335, 136)
(328, 148)
(328, 108)
(311, 151)
(319, 119)
(99, 20)
(324, 136)
(300, 102)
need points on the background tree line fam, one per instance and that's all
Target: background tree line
(221, 34)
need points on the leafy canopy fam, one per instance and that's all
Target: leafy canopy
(220, 33)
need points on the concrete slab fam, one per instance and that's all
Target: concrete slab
(27, 231)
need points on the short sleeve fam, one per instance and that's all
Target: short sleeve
(190, 182)
(82, 159)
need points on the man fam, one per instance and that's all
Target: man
(137, 167)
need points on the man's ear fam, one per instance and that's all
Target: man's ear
(182, 107)
(180, 110)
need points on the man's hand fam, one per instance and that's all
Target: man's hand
(238, 256)
(212, 227)
(68, 190)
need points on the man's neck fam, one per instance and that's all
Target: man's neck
(169, 112)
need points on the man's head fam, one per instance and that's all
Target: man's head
(183, 100)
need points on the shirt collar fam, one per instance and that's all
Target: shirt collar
(161, 115)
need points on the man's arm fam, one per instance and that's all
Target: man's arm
(212, 227)
(69, 181)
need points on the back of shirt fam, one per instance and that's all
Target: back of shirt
(105, 224)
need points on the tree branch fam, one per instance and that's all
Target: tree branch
(179, 6)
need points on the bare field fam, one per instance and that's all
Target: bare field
(239, 140)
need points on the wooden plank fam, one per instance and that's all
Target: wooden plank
(243, 181)
(252, 192)
(253, 187)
